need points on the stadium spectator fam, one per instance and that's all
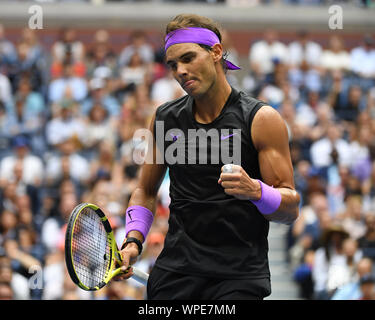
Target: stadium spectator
(306, 111)
(165, 89)
(18, 284)
(321, 150)
(362, 58)
(263, 53)
(335, 57)
(351, 290)
(360, 149)
(99, 94)
(328, 258)
(304, 53)
(67, 85)
(5, 91)
(136, 71)
(53, 231)
(104, 164)
(101, 53)
(8, 53)
(68, 50)
(31, 62)
(352, 218)
(138, 44)
(307, 230)
(367, 285)
(34, 102)
(32, 165)
(304, 58)
(347, 105)
(99, 127)
(325, 117)
(65, 125)
(303, 276)
(367, 242)
(28, 116)
(67, 164)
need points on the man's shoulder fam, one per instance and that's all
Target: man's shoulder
(172, 105)
(248, 101)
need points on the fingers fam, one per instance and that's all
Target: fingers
(127, 273)
(230, 184)
(234, 183)
(129, 257)
(231, 168)
(230, 172)
(227, 177)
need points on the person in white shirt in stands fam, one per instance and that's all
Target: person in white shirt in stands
(67, 163)
(263, 52)
(335, 57)
(33, 168)
(166, 89)
(65, 125)
(321, 150)
(5, 91)
(304, 60)
(362, 58)
(304, 50)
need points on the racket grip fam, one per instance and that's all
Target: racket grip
(140, 276)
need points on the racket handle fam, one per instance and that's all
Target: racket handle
(140, 276)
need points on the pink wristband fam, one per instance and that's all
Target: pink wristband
(140, 219)
(270, 199)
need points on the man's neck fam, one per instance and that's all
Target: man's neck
(208, 107)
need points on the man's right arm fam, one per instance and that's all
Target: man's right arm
(144, 195)
(151, 177)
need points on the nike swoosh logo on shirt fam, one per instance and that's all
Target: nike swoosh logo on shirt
(226, 137)
(175, 137)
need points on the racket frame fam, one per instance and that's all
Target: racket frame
(115, 256)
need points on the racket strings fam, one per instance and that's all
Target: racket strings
(90, 248)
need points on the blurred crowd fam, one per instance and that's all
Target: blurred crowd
(68, 114)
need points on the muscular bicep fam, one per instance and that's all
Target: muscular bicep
(270, 138)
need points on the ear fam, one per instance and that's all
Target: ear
(217, 52)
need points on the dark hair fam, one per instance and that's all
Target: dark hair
(193, 20)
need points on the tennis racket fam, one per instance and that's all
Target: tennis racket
(91, 252)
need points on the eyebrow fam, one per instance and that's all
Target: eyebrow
(169, 62)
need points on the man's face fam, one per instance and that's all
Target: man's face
(193, 67)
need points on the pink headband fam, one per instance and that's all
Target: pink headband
(195, 35)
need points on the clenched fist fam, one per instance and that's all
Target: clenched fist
(237, 183)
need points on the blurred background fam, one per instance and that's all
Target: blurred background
(73, 93)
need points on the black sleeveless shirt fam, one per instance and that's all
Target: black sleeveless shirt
(211, 233)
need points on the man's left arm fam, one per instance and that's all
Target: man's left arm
(270, 138)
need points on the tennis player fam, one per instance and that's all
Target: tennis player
(216, 246)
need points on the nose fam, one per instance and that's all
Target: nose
(181, 70)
